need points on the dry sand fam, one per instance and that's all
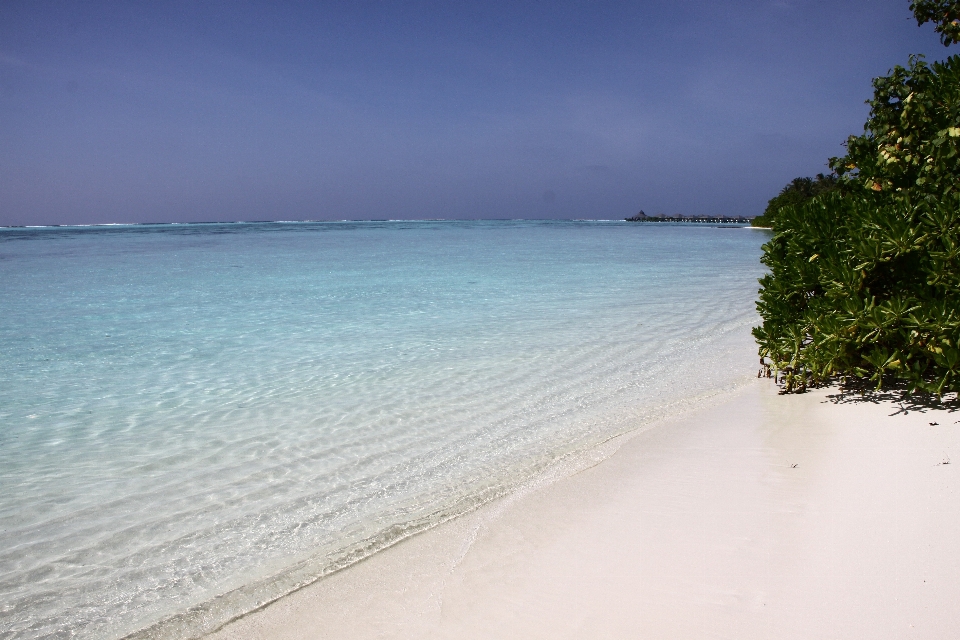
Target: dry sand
(761, 516)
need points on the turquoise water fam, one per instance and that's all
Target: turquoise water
(196, 419)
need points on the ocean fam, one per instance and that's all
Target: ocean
(196, 419)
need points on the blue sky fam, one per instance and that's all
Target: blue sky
(177, 111)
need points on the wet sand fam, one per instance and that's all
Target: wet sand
(759, 516)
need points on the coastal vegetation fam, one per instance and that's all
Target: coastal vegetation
(797, 192)
(865, 276)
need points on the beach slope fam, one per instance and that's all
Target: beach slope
(759, 516)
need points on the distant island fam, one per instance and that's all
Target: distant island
(642, 217)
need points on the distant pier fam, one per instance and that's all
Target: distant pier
(642, 217)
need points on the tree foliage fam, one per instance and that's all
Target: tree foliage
(798, 191)
(911, 140)
(865, 279)
(944, 14)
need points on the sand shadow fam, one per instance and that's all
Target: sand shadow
(856, 391)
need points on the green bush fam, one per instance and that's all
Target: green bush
(865, 280)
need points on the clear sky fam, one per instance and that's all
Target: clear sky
(177, 111)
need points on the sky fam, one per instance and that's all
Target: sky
(114, 112)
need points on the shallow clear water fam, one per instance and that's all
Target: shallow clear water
(195, 419)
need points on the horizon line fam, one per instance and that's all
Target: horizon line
(342, 221)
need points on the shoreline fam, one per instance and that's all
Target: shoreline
(206, 620)
(696, 526)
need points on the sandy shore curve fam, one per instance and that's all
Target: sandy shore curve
(759, 516)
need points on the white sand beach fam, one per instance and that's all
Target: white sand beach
(759, 516)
